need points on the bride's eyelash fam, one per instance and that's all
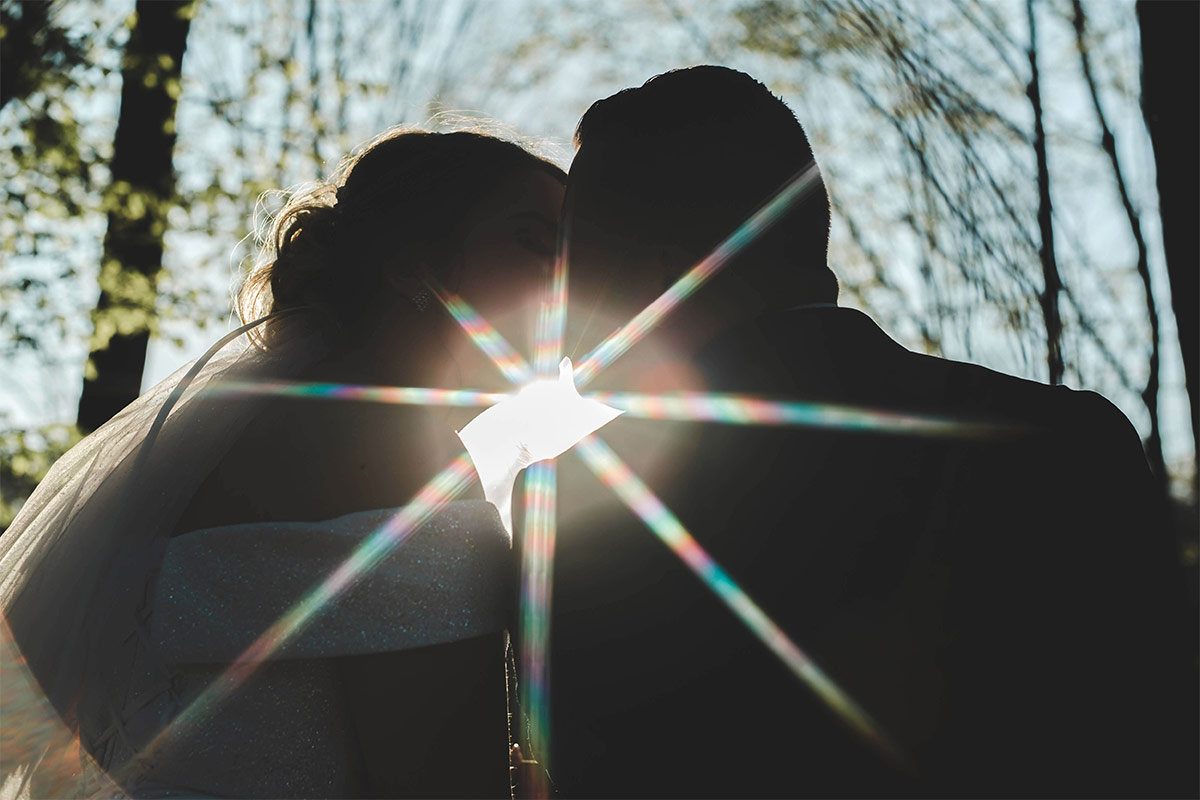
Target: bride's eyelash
(528, 239)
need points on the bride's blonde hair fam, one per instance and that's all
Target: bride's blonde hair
(400, 198)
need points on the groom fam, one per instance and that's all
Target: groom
(999, 598)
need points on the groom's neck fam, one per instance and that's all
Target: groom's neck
(729, 301)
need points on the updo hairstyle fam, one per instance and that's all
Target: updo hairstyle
(398, 201)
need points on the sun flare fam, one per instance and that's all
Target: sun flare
(530, 428)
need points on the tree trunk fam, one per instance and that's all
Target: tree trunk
(143, 186)
(1052, 285)
(1108, 142)
(32, 46)
(1170, 85)
(314, 86)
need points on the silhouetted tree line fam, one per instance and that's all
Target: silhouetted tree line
(971, 165)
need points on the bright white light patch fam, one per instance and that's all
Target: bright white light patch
(542, 421)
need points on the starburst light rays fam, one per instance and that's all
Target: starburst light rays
(537, 550)
(540, 491)
(552, 320)
(537, 564)
(442, 488)
(615, 474)
(648, 318)
(399, 395)
(511, 363)
(739, 409)
(537, 560)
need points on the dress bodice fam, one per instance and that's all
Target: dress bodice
(285, 732)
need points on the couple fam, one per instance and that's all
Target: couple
(1001, 604)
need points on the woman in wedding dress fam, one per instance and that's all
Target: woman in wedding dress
(170, 540)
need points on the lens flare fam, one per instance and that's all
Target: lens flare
(542, 421)
(615, 474)
(648, 318)
(537, 549)
(44, 729)
(552, 319)
(399, 395)
(739, 409)
(444, 486)
(537, 564)
(541, 491)
(511, 364)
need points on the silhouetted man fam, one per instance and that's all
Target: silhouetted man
(1002, 602)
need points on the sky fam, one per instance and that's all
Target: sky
(536, 65)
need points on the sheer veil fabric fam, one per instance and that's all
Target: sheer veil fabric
(78, 564)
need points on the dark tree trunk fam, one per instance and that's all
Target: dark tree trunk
(1170, 86)
(143, 186)
(1052, 283)
(32, 46)
(314, 86)
(1154, 450)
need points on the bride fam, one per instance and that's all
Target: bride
(166, 543)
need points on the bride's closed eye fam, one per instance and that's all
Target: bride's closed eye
(534, 242)
(535, 233)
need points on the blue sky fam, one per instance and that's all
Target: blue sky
(536, 65)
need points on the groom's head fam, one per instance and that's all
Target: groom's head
(665, 172)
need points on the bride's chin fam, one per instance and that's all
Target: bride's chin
(406, 347)
(372, 355)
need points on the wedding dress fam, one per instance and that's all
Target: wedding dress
(117, 627)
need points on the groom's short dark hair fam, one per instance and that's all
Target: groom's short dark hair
(690, 154)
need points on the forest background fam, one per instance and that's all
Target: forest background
(1014, 183)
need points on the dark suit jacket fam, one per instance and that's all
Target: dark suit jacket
(1007, 607)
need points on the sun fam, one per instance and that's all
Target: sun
(545, 417)
(540, 422)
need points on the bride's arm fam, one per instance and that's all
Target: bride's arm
(419, 641)
(220, 589)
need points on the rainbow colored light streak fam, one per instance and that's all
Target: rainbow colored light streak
(540, 496)
(537, 550)
(537, 565)
(615, 474)
(400, 395)
(511, 363)
(444, 486)
(552, 321)
(648, 318)
(738, 409)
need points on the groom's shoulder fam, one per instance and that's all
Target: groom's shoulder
(1033, 399)
(843, 352)
(963, 388)
(1087, 418)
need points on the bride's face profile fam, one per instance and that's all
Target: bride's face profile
(473, 214)
(507, 252)
(499, 260)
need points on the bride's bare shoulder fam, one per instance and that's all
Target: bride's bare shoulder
(308, 460)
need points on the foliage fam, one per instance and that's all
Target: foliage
(56, 125)
(917, 111)
(941, 92)
(25, 458)
(919, 116)
(35, 50)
